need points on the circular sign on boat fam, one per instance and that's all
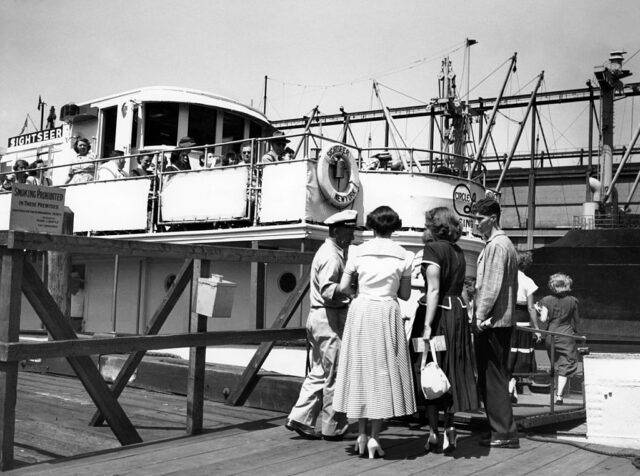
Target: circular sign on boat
(338, 176)
(463, 200)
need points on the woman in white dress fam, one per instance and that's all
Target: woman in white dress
(374, 374)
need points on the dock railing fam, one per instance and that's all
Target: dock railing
(18, 276)
(552, 353)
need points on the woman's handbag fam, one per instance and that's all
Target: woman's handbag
(433, 381)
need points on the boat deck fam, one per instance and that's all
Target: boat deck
(53, 437)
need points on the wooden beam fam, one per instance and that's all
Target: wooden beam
(70, 347)
(10, 303)
(247, 382)
(91, 245)
(197, 356)
(157, 320)
(60, 328)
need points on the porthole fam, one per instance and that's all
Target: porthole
(287, 282)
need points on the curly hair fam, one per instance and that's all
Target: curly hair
(443, 224)
(560, 283)
(525, 259)
(383, 220)
(82, 139)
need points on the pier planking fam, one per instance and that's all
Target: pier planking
(52, 430)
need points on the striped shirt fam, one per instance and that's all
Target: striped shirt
(497, 281)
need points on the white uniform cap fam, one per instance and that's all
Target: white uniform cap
(344, 218)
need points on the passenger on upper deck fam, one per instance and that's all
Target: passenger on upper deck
(144, 163)
(84, 166)
(180, 158)
(289, 153)
(20, 175)
(231, 158)
(246, 153)
(37, 174)
(114, 168)
(278, 143)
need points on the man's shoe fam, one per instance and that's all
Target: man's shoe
(337, 437)
(512, 443)
(304, 431)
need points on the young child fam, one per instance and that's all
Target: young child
(561, 310)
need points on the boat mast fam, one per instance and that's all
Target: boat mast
(398, 142)
(492, 118)
(519, 134)
(609, 79)
(455, 116)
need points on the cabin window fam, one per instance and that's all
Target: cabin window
(232, 129)
(161, 123)
(202, 124)
(255, 130)
(109, 118)
(134, 129)
(287, 282)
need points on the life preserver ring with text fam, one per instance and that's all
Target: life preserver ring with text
(338, 159)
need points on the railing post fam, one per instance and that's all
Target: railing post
(197, 356)
(552, 375)
(10, 302)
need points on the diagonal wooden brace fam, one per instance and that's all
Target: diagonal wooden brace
(55, 322)
(158, 319)
(248, 379)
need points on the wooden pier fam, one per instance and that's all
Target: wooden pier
(53, 437)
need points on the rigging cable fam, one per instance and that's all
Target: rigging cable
(489, 75)
(401, 93)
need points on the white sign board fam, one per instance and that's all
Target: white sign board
(37, 209)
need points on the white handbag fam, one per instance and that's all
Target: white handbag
(433, 381)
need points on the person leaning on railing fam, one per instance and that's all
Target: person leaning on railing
(561, 310)
(84, 167)
(20, 168)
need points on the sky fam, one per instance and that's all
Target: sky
(314, 52)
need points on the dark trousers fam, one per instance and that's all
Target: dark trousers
(493, 347)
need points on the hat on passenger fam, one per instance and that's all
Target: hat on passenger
(278, 136)
(343, 218)
(186, 141)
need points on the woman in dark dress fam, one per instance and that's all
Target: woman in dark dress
(444, 267)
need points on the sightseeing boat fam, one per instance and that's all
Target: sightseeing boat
(278, 205)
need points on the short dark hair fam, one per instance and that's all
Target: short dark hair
(443, 224)
(383, 220)
(487, 206)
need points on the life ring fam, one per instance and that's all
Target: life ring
(334, 155)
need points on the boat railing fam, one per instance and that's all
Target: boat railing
(19, 278)
(552, 353)
(606, 221)
(207, 194)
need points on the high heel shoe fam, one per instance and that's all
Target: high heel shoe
(431, 446)
(450, 439)
(374, 447)
(361, 444)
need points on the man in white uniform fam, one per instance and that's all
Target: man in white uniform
(324, 331)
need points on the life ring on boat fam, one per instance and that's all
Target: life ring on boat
(342, 161)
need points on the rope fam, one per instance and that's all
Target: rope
(591, 447)
(402, 94)
(631, 57)
(489, 75)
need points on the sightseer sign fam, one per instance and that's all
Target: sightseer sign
(35, 137)
(37, 209)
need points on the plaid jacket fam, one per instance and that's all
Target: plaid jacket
(497, 281)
